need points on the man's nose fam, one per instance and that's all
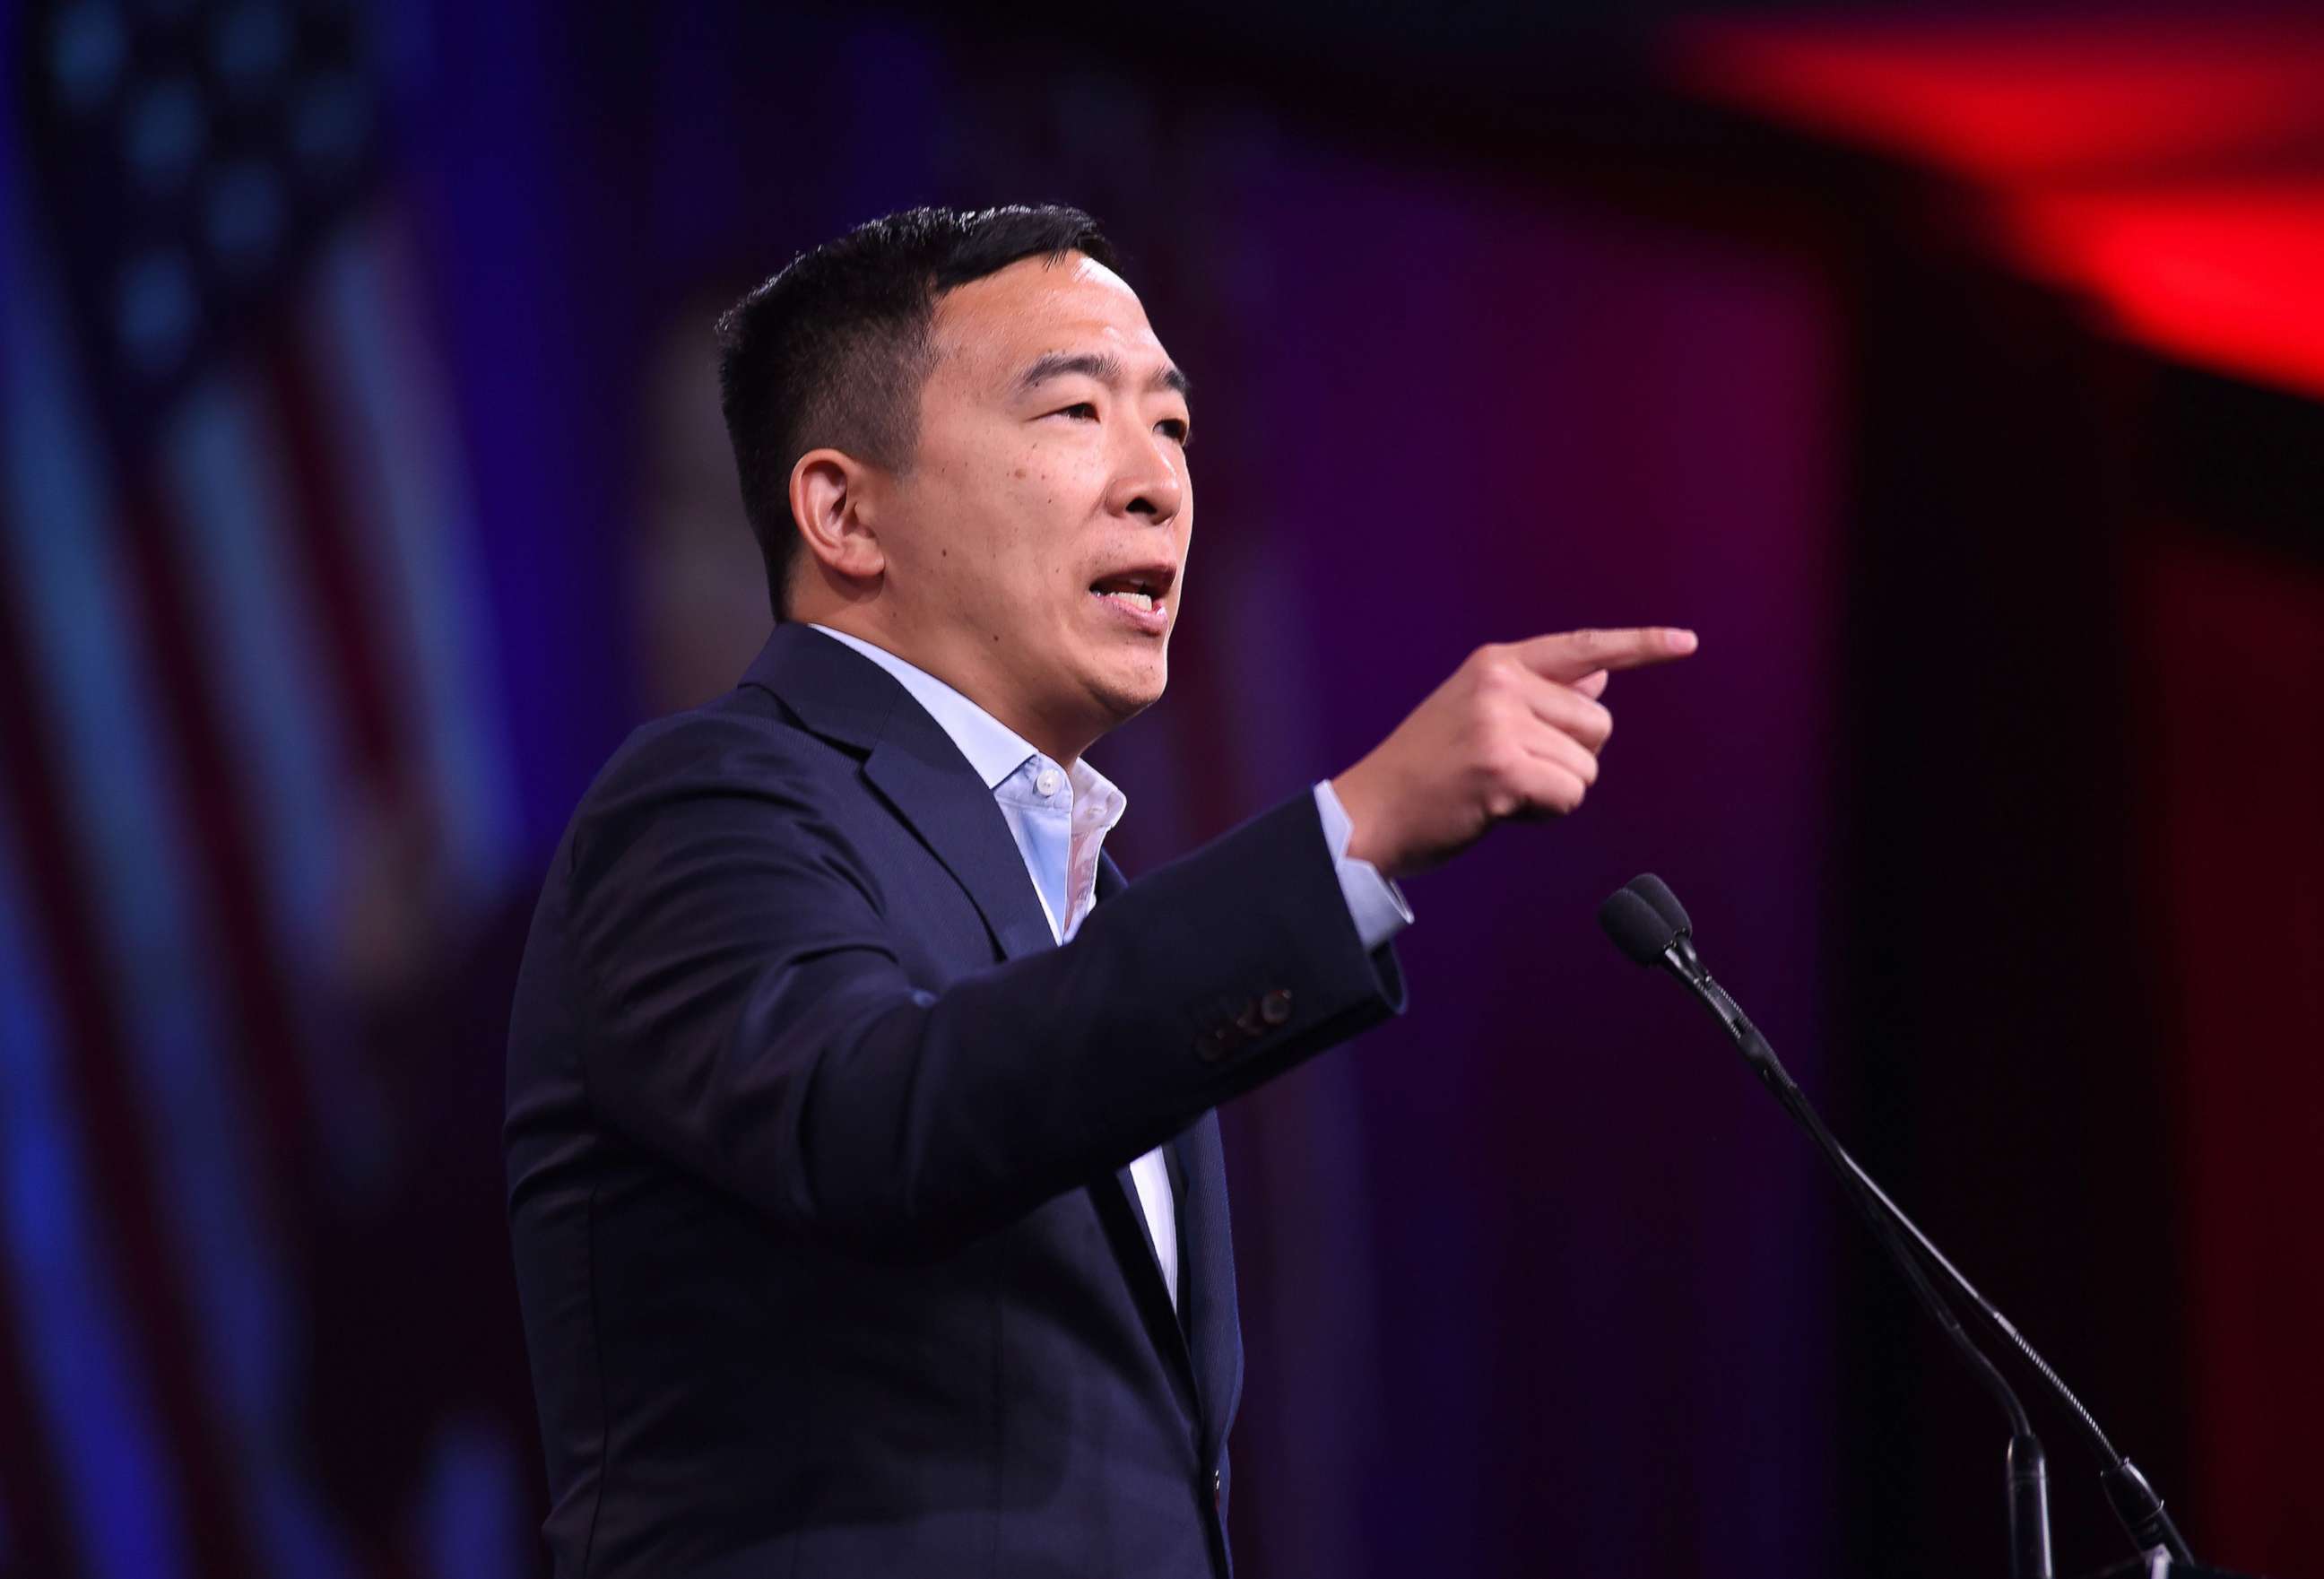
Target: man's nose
(1149, 481)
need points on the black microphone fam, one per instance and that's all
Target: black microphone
(1647, 923)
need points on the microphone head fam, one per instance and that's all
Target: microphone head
(1657, 894)
(1637, 927)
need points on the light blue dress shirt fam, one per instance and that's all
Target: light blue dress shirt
(1059, 818)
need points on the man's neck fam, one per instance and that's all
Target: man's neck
(1060, 746)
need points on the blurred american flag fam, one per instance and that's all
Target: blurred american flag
(243, 645)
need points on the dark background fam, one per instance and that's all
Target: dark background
(1953, 373)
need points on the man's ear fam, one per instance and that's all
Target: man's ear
(831, 501)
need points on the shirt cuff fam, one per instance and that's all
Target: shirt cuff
(1375, 904)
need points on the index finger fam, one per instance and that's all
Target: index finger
(1569, 655)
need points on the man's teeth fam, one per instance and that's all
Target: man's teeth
(1141, 601)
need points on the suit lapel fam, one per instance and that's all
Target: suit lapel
(966, 831)
(913, 764)
(1206, 1279)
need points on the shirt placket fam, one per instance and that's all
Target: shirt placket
(1094, 812)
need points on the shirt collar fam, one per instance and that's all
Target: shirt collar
(992, 749)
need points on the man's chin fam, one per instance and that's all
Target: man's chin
(1122, 697)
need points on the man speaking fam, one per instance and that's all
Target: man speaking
(866, 1194)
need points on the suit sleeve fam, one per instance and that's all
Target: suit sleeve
(751, 1020)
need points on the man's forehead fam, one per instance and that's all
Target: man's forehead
(1037, 306)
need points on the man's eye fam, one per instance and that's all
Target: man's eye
(1078, 410)
(1176, 428)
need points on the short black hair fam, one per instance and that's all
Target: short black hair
(832, 351)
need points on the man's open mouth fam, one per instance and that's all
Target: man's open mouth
(1141, 588)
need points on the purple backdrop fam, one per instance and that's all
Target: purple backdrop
(1532, 1279)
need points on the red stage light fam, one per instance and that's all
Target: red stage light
(2173, 170)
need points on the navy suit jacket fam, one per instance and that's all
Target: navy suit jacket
(818, 1153)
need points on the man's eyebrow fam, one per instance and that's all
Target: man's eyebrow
(1103, 365)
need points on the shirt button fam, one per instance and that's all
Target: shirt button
(1047, 782)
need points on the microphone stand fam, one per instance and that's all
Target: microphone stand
(2128, 1492)
(2135, 1503)
(2027, 1468)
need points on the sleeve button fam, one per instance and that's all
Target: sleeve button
(1276, 1007)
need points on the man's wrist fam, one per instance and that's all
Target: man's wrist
(1352, 789)
(1375, 904)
